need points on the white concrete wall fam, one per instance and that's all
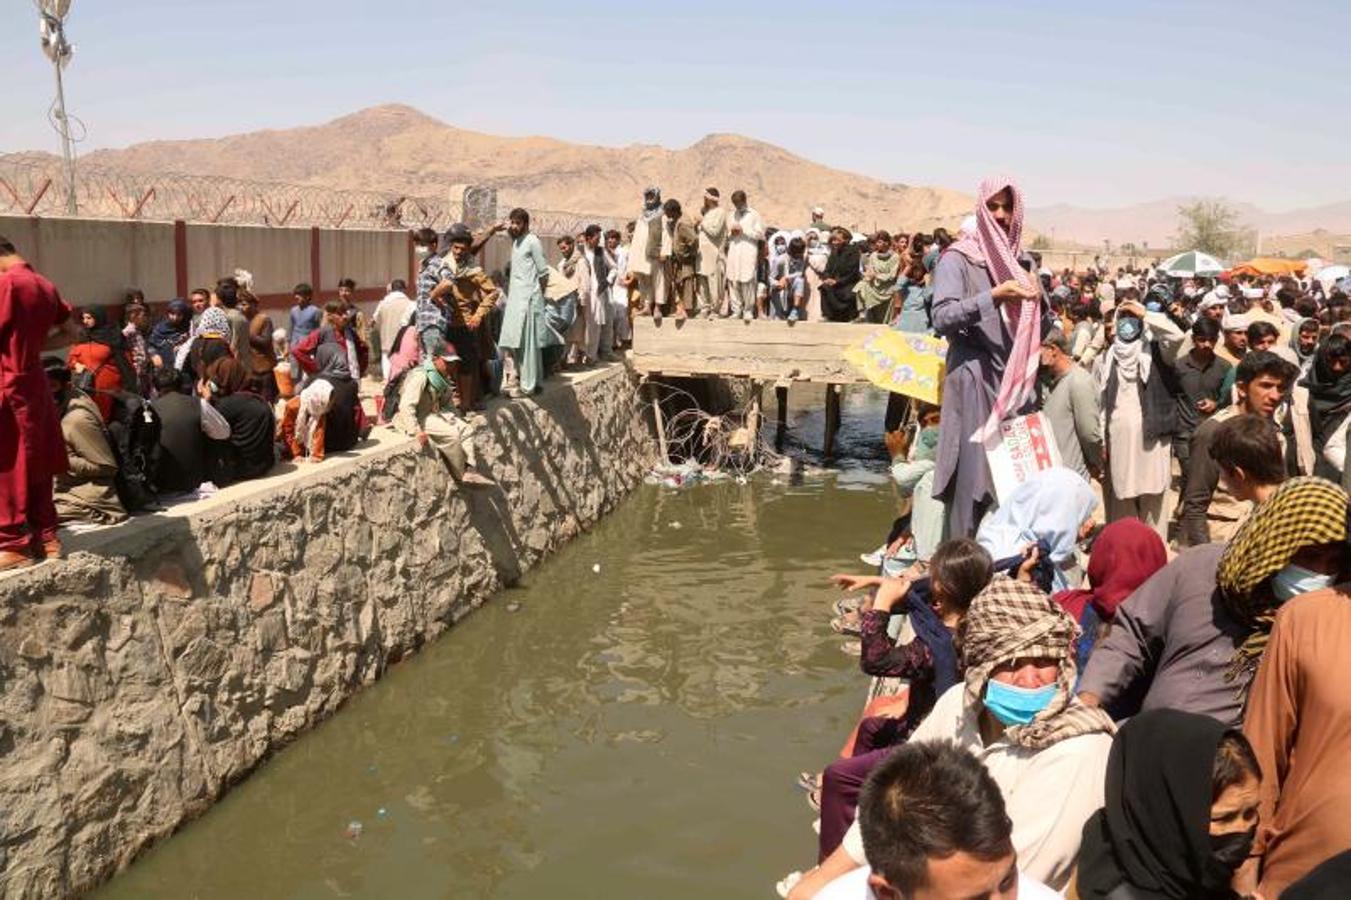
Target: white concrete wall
(279, 258)
(94, 261)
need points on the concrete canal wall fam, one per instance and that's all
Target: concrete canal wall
(167, 657)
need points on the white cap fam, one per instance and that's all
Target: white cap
(1253, 293)
(818, 211)
(1221, 291)
(1235, 322)
(1211, 298)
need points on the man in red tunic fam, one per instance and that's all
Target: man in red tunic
(32, 450)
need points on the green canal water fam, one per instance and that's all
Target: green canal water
(633, 732)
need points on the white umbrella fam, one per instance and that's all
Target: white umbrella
(1191, 264)
(1330, 275)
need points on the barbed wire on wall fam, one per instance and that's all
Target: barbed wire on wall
(36, 187)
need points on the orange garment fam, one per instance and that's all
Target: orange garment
(286, 432)
(98, 358)
(1299, 724)
(892, 706)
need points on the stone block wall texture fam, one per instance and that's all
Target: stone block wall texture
(137, 684)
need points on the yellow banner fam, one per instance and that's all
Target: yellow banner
(903, 362)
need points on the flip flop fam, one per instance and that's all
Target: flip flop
(846, 605)
(850, 624)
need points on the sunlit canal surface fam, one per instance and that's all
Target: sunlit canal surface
(633, 732)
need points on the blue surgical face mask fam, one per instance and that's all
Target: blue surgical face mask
(1128, 328)
(1014, 705)
(1294, 580)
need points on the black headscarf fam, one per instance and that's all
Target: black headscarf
(1329, 397)
(103, 331)
(1153, 832)
(106, 333)
(169, 333)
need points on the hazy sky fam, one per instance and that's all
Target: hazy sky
(1087, 105)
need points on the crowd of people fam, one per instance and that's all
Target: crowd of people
(143, 410)
(1116, 678)
(728, 262)
(1078, 685)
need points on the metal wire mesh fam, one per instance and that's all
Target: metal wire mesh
(35, 185)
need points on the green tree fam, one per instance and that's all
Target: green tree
(1212, 226)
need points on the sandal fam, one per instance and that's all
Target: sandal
(814, 800)
(846, 605)
(809, 781)
(850, 624)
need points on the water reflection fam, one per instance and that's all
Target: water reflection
(629, 733)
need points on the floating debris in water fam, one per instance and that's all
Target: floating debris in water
(596, 568)
(382, 812)
(677, 525)
(513, 606)
(354, 829)
(371, 769)
(686, 474)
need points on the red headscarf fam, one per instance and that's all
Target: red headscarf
(1125, 554)
(998, 250)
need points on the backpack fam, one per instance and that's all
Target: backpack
(133, 433)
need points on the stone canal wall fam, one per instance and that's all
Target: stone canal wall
(167, 657)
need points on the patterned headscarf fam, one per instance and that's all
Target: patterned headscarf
(998, 250)
(1011, 620)
(1302, 513)
(213, 322)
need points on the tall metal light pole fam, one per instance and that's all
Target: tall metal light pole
(51, 27)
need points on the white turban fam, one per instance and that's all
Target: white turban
(1211, 299)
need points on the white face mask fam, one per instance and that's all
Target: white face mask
(1294, 580)
(422, 252)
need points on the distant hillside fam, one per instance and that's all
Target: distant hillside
(400, 149)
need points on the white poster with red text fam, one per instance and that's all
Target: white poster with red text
(1026, 445)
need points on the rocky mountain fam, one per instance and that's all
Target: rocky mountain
(399, 149)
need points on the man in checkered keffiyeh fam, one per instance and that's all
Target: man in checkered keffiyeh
(1012, 620)
(1303, 513)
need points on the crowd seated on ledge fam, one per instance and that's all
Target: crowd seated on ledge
(147, 410)
(173, 402)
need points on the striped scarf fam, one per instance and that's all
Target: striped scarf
(1011, 620)
(1304, 512)
(998, 250)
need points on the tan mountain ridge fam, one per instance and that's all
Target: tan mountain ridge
(399, 149)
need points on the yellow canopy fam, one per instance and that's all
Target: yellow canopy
(1270, 265)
